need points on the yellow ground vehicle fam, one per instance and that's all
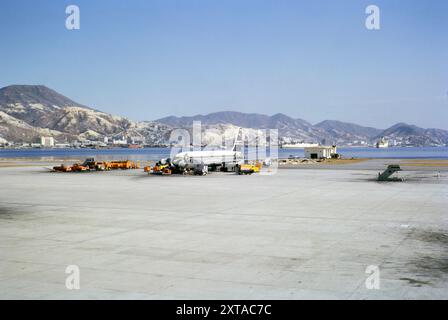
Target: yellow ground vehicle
(249, 168)
(162, 169)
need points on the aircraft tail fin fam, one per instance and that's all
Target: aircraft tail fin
(235, 144)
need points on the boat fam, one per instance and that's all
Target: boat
(299, 145)
(382, 143)
(135, 146)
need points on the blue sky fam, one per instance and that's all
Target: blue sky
(315, 60)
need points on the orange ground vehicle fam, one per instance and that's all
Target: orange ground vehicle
(91, 165)
(74, 168)
(96, 165)
(124, 165)
(163, 170)
(102, 166)
(62, 168)
(79, 168)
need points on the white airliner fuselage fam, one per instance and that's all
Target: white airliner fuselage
(190, 159)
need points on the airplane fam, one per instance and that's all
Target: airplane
(210, 158)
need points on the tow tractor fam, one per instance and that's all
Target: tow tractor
(248, 168)
(162, 167)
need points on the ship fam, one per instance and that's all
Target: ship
(299, 145)
(382, 143)
(135, 146)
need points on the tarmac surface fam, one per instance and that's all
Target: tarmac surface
(297, 234)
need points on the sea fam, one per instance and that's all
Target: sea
(155, 154)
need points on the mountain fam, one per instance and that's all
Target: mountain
(42, 107)
(331, 131)
(340, 132)
(34, 94)
(410, 135)
(28, 112)
(12, 129)
(245, 120)
(340, 128)
(402, 129)
(290, 130)
(287, 126)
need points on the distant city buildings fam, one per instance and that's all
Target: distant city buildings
(122, 141)
(47, 142)
(138, 140)
(51, 142)
(4, 142)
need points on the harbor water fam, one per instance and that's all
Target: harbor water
(154, 154)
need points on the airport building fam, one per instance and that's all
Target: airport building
(320, 152)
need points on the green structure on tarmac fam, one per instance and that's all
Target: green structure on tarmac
(386, 175)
